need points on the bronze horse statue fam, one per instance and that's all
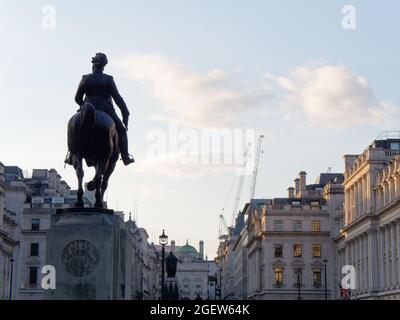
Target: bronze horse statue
(92, 135)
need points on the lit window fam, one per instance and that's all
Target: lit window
(317, 277)
(278, 276)
(278, 225)
(316, 250)
(297, 250)
(278, 251)
(296, 225)
(296, 203)
(316, 226)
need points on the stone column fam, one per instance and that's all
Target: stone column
(347, 207)
(387, 193)
(362, 262)
(382, 258)
(258, 270)
(371, 206)
(393, 254)
(356, 265)
(364, 196)
(398, 251)
(366, 261)
(351, 204)
(396, 184)
(387, 252)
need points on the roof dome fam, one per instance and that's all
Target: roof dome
(187, 249)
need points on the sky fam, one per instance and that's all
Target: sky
(290, 70)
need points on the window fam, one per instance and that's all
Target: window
(297, 250)
(316, 250)
(296, 203)
(316, 226)
(34, 250)
(278, 225)
(296, 225)
(395, 146)
(33, 271)
(278, 251)
(317, 277)
(35, 224)
(315, 203)
(278, 276)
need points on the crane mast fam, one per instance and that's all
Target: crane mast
(240, 185)
(256, 163)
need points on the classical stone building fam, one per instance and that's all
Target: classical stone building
(144, 264)
(370, 237)
(8, 240)
(283, 245)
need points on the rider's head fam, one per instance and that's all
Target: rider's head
(99, 61)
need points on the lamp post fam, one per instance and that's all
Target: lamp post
(163, 241)
(220, 283)
(299, 280)
(11, 275)
(325, 280)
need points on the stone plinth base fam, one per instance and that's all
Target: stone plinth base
(171, 289)
(87, 248)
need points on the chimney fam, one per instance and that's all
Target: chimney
(201, 249)
(173, 246)
(302, 176)
(290, 192)
(296, 186)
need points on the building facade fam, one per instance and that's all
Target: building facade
(284, 246)
(8, 241)
(370, 238)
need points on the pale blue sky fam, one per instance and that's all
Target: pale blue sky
(40, 71)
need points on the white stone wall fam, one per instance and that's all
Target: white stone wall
(370, 239)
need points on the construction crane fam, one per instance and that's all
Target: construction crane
(223, 228)
(240, 185)
(256, 163)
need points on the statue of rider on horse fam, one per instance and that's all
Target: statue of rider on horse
(95, 132)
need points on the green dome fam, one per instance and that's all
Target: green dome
(187, 249)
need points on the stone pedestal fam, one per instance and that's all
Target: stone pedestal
(171, 289)
(87, 247)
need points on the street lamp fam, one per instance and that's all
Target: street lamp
(325, 261)
(220, 283)
(299, 280)
(11, 275)
(163, 241)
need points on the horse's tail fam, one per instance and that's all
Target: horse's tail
(87, 126)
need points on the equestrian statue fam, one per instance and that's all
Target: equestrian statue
(95, 132)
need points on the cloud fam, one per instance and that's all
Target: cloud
(317, 96)
(215, 99)
(332, 97)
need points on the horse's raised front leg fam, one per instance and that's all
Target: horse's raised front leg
(79, 173)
